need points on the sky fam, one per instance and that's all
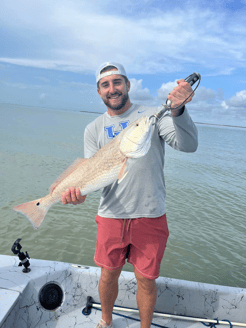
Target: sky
(50, 50)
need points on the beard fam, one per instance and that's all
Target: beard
(120, 105)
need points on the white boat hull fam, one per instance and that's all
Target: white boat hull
(20, 306)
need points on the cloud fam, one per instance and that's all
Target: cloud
(43, 79)
(43, 96)
(237, 101)
(202, 95)
(208, 95)
(210, 106)
(235, 107)
(45, 63)
(78, 85)
(226, 71)
(19, 85)
(78, 36)
(147, 37)
(140, 95)
(165, 89)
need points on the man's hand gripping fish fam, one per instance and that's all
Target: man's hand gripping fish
(109, 163)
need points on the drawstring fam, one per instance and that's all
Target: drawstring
(122, 236)
(129, 225)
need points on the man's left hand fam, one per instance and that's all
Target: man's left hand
(179, 94)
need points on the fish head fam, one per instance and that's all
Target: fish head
(136, 140)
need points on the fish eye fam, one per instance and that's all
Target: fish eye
(38, 204)
(137, 124)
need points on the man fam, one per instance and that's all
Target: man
(132, 216)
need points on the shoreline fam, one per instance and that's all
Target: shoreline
(228, 126)
(216, 124)
(100, 113)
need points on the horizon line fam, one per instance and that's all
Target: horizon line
(85, 111)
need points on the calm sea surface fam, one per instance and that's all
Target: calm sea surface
(206, 201)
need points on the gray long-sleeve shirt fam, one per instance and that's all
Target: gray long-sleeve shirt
(142, 192)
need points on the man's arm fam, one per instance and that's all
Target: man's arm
(179, 132)
(177, 128)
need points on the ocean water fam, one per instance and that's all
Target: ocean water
(205, 196)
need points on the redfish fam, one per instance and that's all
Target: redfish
(109, 163)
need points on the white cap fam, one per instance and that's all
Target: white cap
(120, 70)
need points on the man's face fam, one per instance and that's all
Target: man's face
(114, 91)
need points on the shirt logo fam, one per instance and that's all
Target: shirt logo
(111, 132)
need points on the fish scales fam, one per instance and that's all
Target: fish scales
(104, 165)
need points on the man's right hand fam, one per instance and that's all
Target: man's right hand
(72, 196)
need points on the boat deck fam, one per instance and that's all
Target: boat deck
(21, 298)
(78, 320)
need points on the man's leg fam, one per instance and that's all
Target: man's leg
(146, 298)
(108, 291)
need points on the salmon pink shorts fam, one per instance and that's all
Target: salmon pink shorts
(142, 241)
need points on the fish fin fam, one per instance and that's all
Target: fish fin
(69, 170)
(35, 211)
(123, 172)
(127, 165)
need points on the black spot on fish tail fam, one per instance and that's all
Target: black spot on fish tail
(38, 204)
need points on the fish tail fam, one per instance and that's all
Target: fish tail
(35, 211)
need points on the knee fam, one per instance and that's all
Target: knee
(148, 285)
(110, 276)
